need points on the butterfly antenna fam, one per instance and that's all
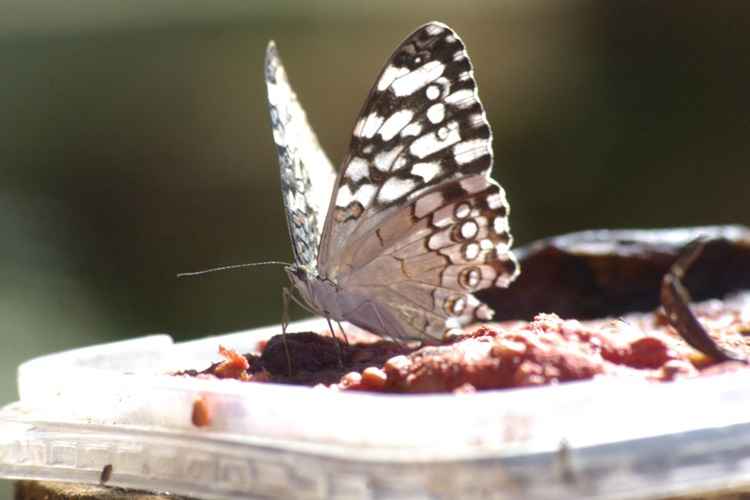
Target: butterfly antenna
(235, 266)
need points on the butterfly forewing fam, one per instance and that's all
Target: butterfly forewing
(421, 125)
(415, 221)
(305, 201)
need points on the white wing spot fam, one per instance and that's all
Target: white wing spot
(436, 112)
(301, 201)
(471, 251)
(468, 151)
(443, 217)
(412, 129)
(358, 127)
(394, 188)
(463, 210)
(501, 248)
(446, 136)
(500, 224)
(372, 125)
(469, 229)
(278, 137)
(484, 313)
(486, 244)
(477, 120)
(460, 54)
(443, 82)
(473, 277)
(428, 204)
(504, 280)
(452, 323)
(496, 200)
(461, 98)
(474, 184)
(344, 196)
(395, 123)
(418, 78)
(433, 29)
(357, 169)
(385, 159)
(389, 75)
(432, 92)
(439, 240)
(290, 199)
(470, 277)
(459, 305)
(456, 305)
(427, 171)
(365, 193)
(400, 163)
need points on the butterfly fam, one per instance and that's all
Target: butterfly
(412, 225)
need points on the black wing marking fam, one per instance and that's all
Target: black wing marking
(300, 157)
(422, 125)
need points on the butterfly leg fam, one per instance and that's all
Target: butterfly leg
(343, 333)
(285, 294)
(337, 342)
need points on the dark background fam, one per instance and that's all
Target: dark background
(135, 141)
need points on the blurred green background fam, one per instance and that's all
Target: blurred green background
(135, 141)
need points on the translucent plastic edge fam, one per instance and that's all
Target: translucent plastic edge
(529, 420)
(207, 468)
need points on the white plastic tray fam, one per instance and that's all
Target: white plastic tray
(113, 404)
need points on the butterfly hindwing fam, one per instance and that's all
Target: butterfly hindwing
(305, 202)
(428, 259)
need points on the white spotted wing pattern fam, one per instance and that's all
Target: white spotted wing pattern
(414, 224)
(297, 147)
